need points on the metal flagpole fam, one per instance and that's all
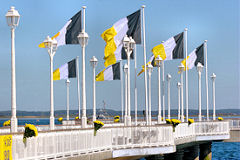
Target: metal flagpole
(186, 71)
(163, 89)
(206, 77)
(135, 90)
(78, 87)
(121, 74)
(145, 62)
(67, 84)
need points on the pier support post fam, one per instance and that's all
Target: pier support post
(178, 155)
(191, 153)
(205, 151)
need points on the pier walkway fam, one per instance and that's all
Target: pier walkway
(116, 141)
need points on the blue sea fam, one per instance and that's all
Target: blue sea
(220, 150)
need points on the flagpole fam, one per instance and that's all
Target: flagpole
(186, 71)
(163, 89)
(67, 84)
(78, 87)
(145, 62)
(121, 66)
(206, 77)
(135, 90)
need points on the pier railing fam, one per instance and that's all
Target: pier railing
(234, 124)
(64, 143)
(70, 142)
(212, 128)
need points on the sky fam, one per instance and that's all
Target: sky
(216, 21)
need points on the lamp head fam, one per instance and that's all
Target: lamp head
(12, 17)
(48, 42)
(54, 44)
(150, 68)
(181, 68)
(132, 43)
(178, 84)
(169, 77)
(83, 38)
(158, 60)
(93, 61)
(199, 67)
(213, 76)
(126, 42)
(67, 81)
(125, 68)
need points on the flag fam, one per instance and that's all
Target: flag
(131, 26)
(195, 57)
(110, 73)
(68, 34)
(151, 61)
(68, 70)
(170, 49)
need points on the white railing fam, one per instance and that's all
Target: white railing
(211, 128)
(234, 124)
(66, 143)
(183, 130)
(61, 144)
(142, 136)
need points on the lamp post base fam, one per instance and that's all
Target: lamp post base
(52, 123)
(150, 120)
(182, 118)
(84, 122)
(129, 121)
(14, 124)
(159, 119)
(94, 118)
(125, 120)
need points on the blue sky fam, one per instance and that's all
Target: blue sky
(215, 20)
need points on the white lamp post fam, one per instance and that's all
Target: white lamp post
(125, 69)
(94, 62)
(83, 40)
(128, 44)
(181, 70)
(158, 61)
(51, 46)
(199, 70)
(67, 84)
(168, 79)
(179, 99)
(12, 17)
(213, 76)
(150, 69)
(163, 88)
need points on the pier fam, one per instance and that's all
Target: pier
(116, 141)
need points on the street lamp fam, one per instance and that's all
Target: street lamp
(181, 70)
(67, 84)
(179, 100)
(51, 46)
(158, 62)
(128, 44)
(94, 62)
(199, 70)
(150, 69)
(213, 76)
(12, 17)
(83, 40)
(168, 79)
(125, 69)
